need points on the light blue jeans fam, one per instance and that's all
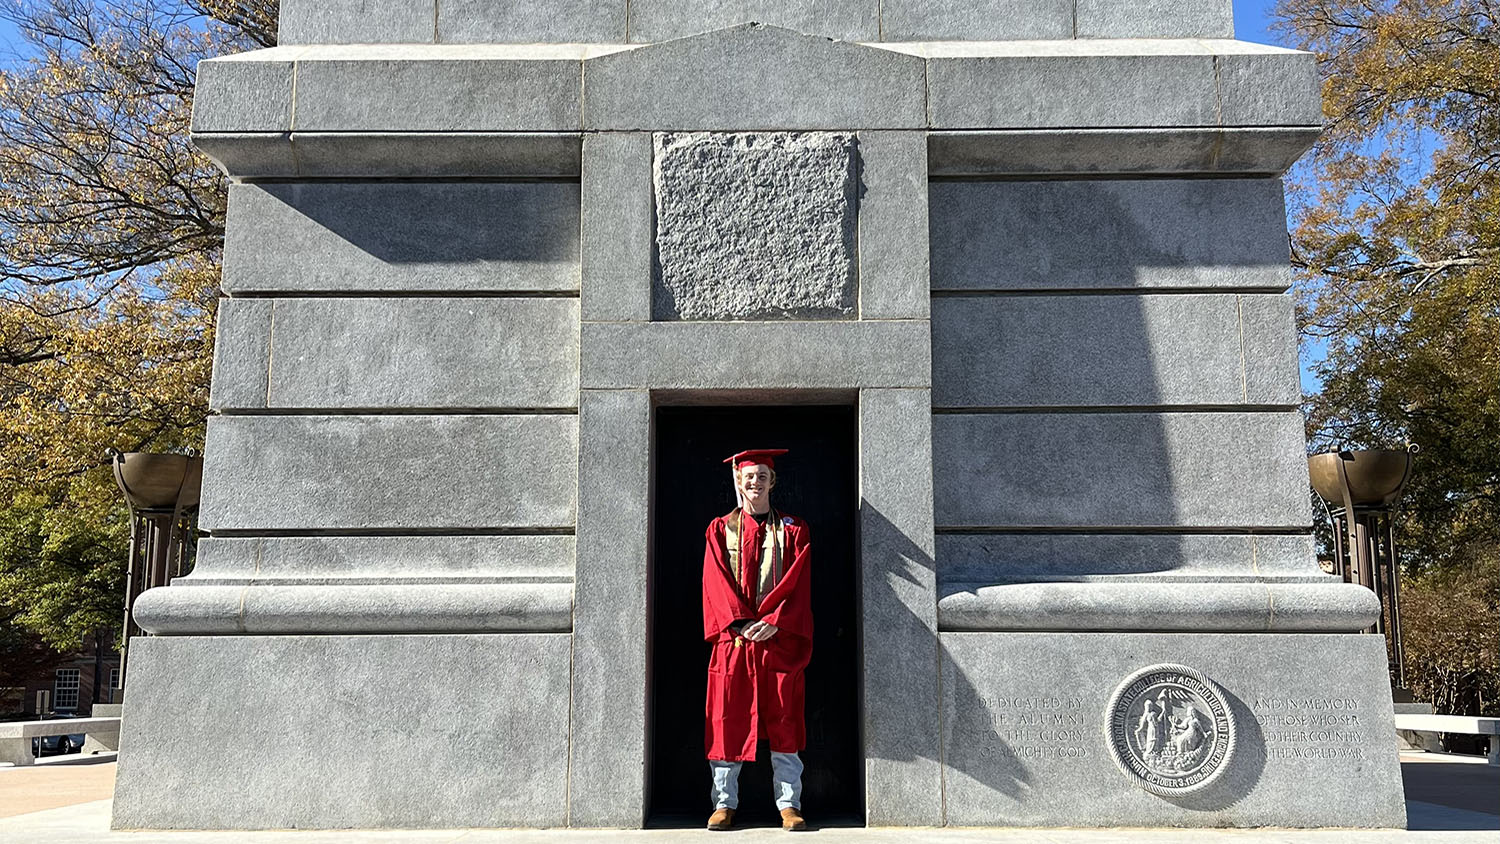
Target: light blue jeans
(786, 781)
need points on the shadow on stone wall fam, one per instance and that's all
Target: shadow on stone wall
(437, 222)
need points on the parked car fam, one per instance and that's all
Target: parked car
(55, 745)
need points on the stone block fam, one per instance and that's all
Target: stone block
(446, 88)
(554, 22)
(756, 355)
(1080, 152)
(250, 92)
(1276, 88)
(357, 21)
(607, 752)
(893, 253)
(1154, 19)
(345, 732)
(1332, 606)
(242, 350)
(1120, 470)
(188, 609)
(1072, 151)
(754, 77)
(1021, 90)
(249, 155)
(448, 472)
(755, 226)
(967, 20)
(384, 559)
(1109, 234)
(368, 584)
(100, 742)
(402, 236)
(1011, 558)
(664, 20)
(425, 353)
(618, 222)
(1122, 350)
(445, 155)
(1266, 149)
(898, 607)
(1025, 738)
(1268, 330)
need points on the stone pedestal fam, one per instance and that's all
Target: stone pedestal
(1041, 250)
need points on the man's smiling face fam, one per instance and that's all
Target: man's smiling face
(755, 484)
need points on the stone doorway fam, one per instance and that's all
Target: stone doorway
(818, 481)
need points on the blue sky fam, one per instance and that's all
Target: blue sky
(1250, 19)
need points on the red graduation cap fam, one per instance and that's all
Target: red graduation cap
(765, 456)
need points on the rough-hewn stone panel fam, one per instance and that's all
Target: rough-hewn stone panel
(754, 226)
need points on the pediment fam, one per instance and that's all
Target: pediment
(754, 77)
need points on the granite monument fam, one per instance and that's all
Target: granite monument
(1039, 248)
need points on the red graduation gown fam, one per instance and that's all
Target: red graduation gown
(755, 689)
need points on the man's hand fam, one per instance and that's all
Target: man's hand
(759, 631)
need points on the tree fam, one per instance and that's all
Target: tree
(111, 226)
(1452, 648)
(23, 657)
(1396, 239)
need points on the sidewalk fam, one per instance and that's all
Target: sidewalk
(1450, 800)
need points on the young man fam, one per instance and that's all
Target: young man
(757, 612)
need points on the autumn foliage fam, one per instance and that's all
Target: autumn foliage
(111, 225)
(1396, 238)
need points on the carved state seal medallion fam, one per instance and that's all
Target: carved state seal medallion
(1170, 729)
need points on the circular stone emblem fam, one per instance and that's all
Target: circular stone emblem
(1170, 729)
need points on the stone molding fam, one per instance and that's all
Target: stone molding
(381, 99)
(1243, 150)
(1331, 606)
(185, 608)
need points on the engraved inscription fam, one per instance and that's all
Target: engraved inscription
(1311, 727)
(1170, 729)
(1031, 727)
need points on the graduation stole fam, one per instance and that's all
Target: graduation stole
(770, 552)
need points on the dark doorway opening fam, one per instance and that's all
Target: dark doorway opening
(817, 481)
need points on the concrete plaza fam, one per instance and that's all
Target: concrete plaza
(1449, 799)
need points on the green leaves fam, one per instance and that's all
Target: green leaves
(63, 558)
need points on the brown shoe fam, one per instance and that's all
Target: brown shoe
(791, 820)
(721, 820)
